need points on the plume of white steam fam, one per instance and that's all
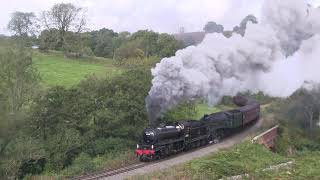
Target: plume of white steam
(293, 20)
(276, 56)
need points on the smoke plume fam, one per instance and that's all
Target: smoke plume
(276, 56)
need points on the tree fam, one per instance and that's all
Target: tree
(212, 27)
(167, 45)
(129, 50)
(102, 42)
(241, 29)
(76, 45)
(302, 110)
(49, 40)
(18, 77)
(64, 17)
(23, 24)
(147, 41)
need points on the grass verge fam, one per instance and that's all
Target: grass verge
(241, 159)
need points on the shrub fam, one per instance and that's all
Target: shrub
(81, 165)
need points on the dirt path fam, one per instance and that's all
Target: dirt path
(229, 142)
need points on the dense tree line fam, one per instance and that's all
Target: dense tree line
(110, 44)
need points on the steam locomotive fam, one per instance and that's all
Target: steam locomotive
(173, 138)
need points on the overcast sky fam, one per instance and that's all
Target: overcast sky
(158, 15)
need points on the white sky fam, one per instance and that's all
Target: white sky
(158, 15)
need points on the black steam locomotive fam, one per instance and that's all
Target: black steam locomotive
(180, 136)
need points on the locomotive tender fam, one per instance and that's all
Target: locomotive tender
(180, 136)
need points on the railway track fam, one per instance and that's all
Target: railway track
(108, 173)
(117, 173)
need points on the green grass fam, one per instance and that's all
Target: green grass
(306, 166)
(203, 108)
(241, 159)
(55, 69)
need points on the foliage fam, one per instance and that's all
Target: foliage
(212, 27)
(49, 40)
(167, 45)
(82, 164)
(76, 127)
(65, 18)
(18, 77)
(243, 24)
(129, 50)
(155, 44)
(301, 110)
(18, 85)
(97, 117)
(21, 156)
(109, 44)
(86, 164)
(104, 42)
(292, 140)
(23, 24)
(75, 46)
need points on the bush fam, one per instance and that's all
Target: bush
(107, 145)
(23, 155)
(292, 139)
(81, 165)
(129, 50)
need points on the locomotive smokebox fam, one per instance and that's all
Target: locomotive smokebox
(152, 135)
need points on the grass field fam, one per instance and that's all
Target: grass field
(203, 108)
(55, 69)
